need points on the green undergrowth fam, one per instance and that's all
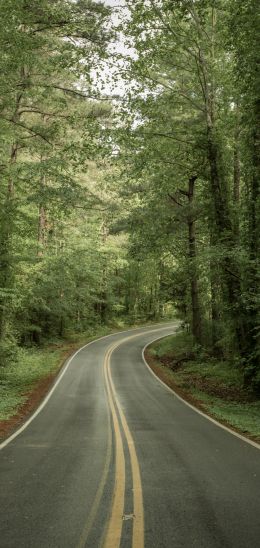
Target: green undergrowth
(16, 380)
(217, 386)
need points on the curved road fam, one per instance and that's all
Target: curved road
(114, 459)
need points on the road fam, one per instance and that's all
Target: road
(114, 459)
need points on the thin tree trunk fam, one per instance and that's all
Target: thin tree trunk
(42, 221)
(236, 182)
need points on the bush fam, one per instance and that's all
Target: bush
(9, 351)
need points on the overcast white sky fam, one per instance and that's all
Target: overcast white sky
(114, 84)
(114, 3)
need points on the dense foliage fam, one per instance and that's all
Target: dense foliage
(190, 147)
(136, 206)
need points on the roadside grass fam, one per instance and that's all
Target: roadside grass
(18, 379)
(215, 386)
(177, 346)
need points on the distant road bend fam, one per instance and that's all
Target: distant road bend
(115, 460)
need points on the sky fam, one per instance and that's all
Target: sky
(114, 85)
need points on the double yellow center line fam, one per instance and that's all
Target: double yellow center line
(114, 530)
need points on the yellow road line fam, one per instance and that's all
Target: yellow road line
(138, 524)
(114, 530)
(115, 523)
(113, 536)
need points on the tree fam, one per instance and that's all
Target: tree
(41, 151)
(244, 28)
(182, 115)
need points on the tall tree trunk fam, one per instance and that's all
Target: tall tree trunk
(225, 236)
(7, 224)
(195, 304)
(6, 230)
(219, 190)
(252, 274)
(215, 301)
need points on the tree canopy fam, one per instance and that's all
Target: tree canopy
(137, 205)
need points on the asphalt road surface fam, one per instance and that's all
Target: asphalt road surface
(116, 460)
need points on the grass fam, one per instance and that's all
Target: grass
(217, 386)
(173, 345)
(17, 380)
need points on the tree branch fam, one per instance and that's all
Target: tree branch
(69, 90)
(232, 273)
(168, 136)
(38, 111)
(174, 200)
(183, 192)
(173, 32)
(32, 131)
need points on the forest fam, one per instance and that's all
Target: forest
(130, 158)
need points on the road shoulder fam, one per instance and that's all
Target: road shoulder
(168, 378)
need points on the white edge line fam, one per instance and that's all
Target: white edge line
(250, 442)
(62, 373)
